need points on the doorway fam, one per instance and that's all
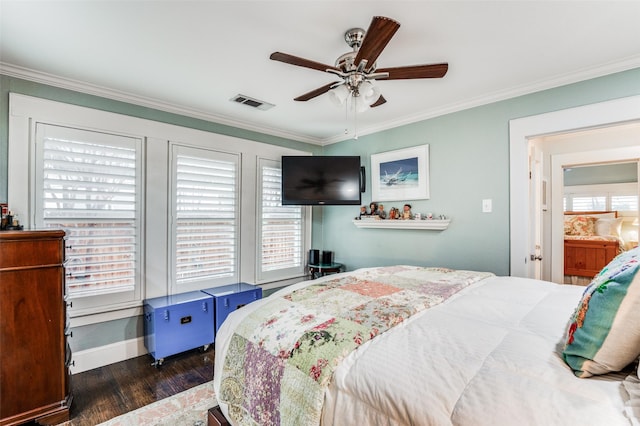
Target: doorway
(521, 132)
(559, 163)
(555, 153)
(610, 188)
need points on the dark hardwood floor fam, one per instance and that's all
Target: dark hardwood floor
(112, 390)
(107, 392)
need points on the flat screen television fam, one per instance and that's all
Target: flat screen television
(321, 180)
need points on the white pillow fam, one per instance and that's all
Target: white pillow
(611, 227)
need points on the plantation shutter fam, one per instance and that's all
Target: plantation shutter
(624, 203)
(589, 203)
(88, 183)
(618, 197)
(281, 228)
(205, 217)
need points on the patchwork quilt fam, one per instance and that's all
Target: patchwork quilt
(282, 356)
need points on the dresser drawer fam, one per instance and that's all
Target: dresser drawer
(18, 251)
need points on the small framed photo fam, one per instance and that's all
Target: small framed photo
(400, 175)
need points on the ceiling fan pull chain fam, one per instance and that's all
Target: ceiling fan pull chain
(346, 117)
(355, 118)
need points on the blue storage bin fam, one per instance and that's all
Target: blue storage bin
(228, 298)
(177, 323)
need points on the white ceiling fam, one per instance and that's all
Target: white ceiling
(191, 57)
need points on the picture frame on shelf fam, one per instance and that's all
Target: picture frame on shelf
(400, 175)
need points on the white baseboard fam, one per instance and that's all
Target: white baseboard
(108, 354)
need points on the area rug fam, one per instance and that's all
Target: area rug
(188, 408)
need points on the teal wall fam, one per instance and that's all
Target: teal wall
(469, 153)
(469, 160)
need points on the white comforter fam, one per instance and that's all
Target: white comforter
(487, 356)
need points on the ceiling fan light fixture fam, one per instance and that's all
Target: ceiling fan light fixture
(360, 103)
(339, 95)
(369, 92)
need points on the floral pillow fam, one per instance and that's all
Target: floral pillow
(568, 225)
(580, 225)
(604, 332)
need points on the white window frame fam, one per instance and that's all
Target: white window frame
(25, 111)
(600, 190)
(284, 273)
(206, 282)
(110, 299)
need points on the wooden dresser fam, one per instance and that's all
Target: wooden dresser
(34, 354)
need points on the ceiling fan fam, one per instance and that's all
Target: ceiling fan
(358, 68)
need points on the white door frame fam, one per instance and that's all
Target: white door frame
(535, 213)
(520, 131)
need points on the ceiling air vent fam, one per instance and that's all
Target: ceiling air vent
(254, 103)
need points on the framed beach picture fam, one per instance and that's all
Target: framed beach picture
(400, 175)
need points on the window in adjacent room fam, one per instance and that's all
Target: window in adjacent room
(281, 229)
(204, 224)
(609, 186)
(89, 184)
(624, 202)
(583, 203)
(619, 197)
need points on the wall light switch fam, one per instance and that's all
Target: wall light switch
(486, 206)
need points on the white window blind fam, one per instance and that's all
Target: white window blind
(205, 216)
(281, 228)
(624, 203)
(88, 184)
(589, 203)
(622, 197)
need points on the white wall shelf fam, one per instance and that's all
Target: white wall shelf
(429, 224)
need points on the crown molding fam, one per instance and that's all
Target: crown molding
(557, 81)
(104, 92)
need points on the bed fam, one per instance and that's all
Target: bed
(430, 346)
(591, 240)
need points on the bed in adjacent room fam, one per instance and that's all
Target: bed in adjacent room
(591, 240)
(432, 346)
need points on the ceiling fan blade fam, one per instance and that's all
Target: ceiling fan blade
(380, 32)
(317, 92)
(301, 62)
(381, 100)
(414, 71)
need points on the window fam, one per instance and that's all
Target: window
(88, 183)
(281, 228)
(624, 203)
(622, 197)
(144, 216)
(589, 203)
(205, 221)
